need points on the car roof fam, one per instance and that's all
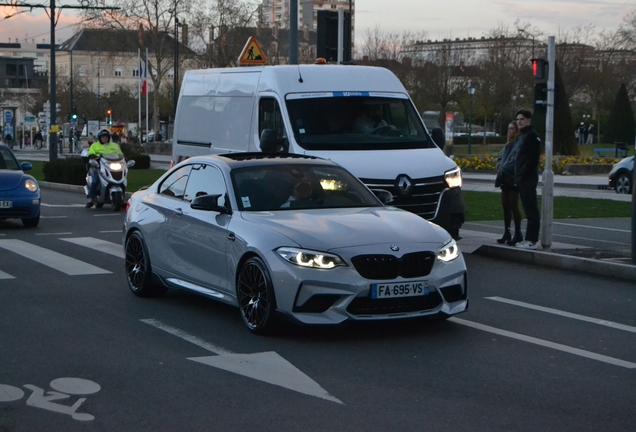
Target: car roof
(250, 159)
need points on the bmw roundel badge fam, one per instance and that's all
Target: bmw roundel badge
(394, 248)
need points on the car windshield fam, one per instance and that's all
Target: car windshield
(299, 186)
(7, 161)
(342, 121)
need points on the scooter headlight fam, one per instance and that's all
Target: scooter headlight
(115, 166)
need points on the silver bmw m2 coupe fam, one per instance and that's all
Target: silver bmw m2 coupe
(289, 235)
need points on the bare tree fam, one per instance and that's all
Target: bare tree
(146, 23)
(214, 28)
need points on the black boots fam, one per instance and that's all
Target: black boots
(516, 239)
(506, 237)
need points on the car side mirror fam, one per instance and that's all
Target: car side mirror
(130, 163)
(209, 203)
(384, 196)
(26, 166)
(438, 137)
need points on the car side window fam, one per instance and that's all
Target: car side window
(174, 185)
(205, 180)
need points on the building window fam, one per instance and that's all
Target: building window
(81, 71)
(117, 71)
(171, 73)
(136, 72)
(100, 91)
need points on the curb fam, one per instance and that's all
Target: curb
(565, 262)
(475, 179)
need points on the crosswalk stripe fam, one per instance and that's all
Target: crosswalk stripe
(49, 258)
(98, 245)
(566, 314)
(4, 275)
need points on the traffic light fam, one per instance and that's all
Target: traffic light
(538, 68)
(110, 116)
(108, 112)
(73, 117)
(327, 36)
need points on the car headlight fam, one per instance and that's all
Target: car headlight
(115, 166)
(309, 258)
(31, 185)
(453, 178)
(449, 252)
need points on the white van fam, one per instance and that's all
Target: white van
(329, 111)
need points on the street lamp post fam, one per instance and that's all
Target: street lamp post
(471, 92)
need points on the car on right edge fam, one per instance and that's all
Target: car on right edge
(621, 176)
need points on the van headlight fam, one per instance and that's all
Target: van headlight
(453, 178)
(309, 258)
(449, 252)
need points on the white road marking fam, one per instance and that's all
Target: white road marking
(4, 275)
(547, 344)
(53, 217)
(110, 248)
(268, 367)
(188, 337)
(49, 258)
(588, 239)
(62, 205)
(111, 231)
(565, 314)
(591, 227)
(107, 214)
(53, 233)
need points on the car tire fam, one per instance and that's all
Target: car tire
(138, 269)
(623, 183)
(31, 222)
(255, 295)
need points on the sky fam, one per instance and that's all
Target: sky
(440, 19)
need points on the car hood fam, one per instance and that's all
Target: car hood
(337, 228)
(10, 179)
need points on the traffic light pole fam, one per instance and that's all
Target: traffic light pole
(547, 198)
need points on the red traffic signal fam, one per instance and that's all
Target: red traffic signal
(538, 68)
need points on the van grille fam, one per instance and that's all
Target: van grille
(422, 198)
(388, 267)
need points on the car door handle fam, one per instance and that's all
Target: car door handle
(178, 211)
(231, 236)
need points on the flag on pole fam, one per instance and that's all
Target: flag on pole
(144, 79)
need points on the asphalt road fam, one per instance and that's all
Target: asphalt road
(538, 349)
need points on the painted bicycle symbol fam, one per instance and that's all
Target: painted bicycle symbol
(63, 388)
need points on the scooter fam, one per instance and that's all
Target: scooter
(113, 172)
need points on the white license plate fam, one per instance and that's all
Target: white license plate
(395, 290)
(6, 204)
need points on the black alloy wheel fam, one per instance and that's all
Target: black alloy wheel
(138, 270)
(255, 295)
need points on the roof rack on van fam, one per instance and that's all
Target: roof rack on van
(238, 156)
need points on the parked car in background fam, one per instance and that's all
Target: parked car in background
(621, 177)
(19, 192)
(291, 235)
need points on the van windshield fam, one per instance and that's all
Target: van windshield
(356, 121)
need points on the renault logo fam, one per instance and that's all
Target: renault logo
(404, 184)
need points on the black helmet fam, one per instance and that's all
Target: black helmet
(103, 132)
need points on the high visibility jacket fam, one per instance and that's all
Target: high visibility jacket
(98, 149)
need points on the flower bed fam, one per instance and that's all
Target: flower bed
(489, 163)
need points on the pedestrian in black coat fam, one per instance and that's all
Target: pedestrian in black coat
(527, 177)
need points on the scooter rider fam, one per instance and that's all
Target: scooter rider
(102, 146)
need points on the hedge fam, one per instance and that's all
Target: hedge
(68, 171)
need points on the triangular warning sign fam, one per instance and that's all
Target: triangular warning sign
(252, 53)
